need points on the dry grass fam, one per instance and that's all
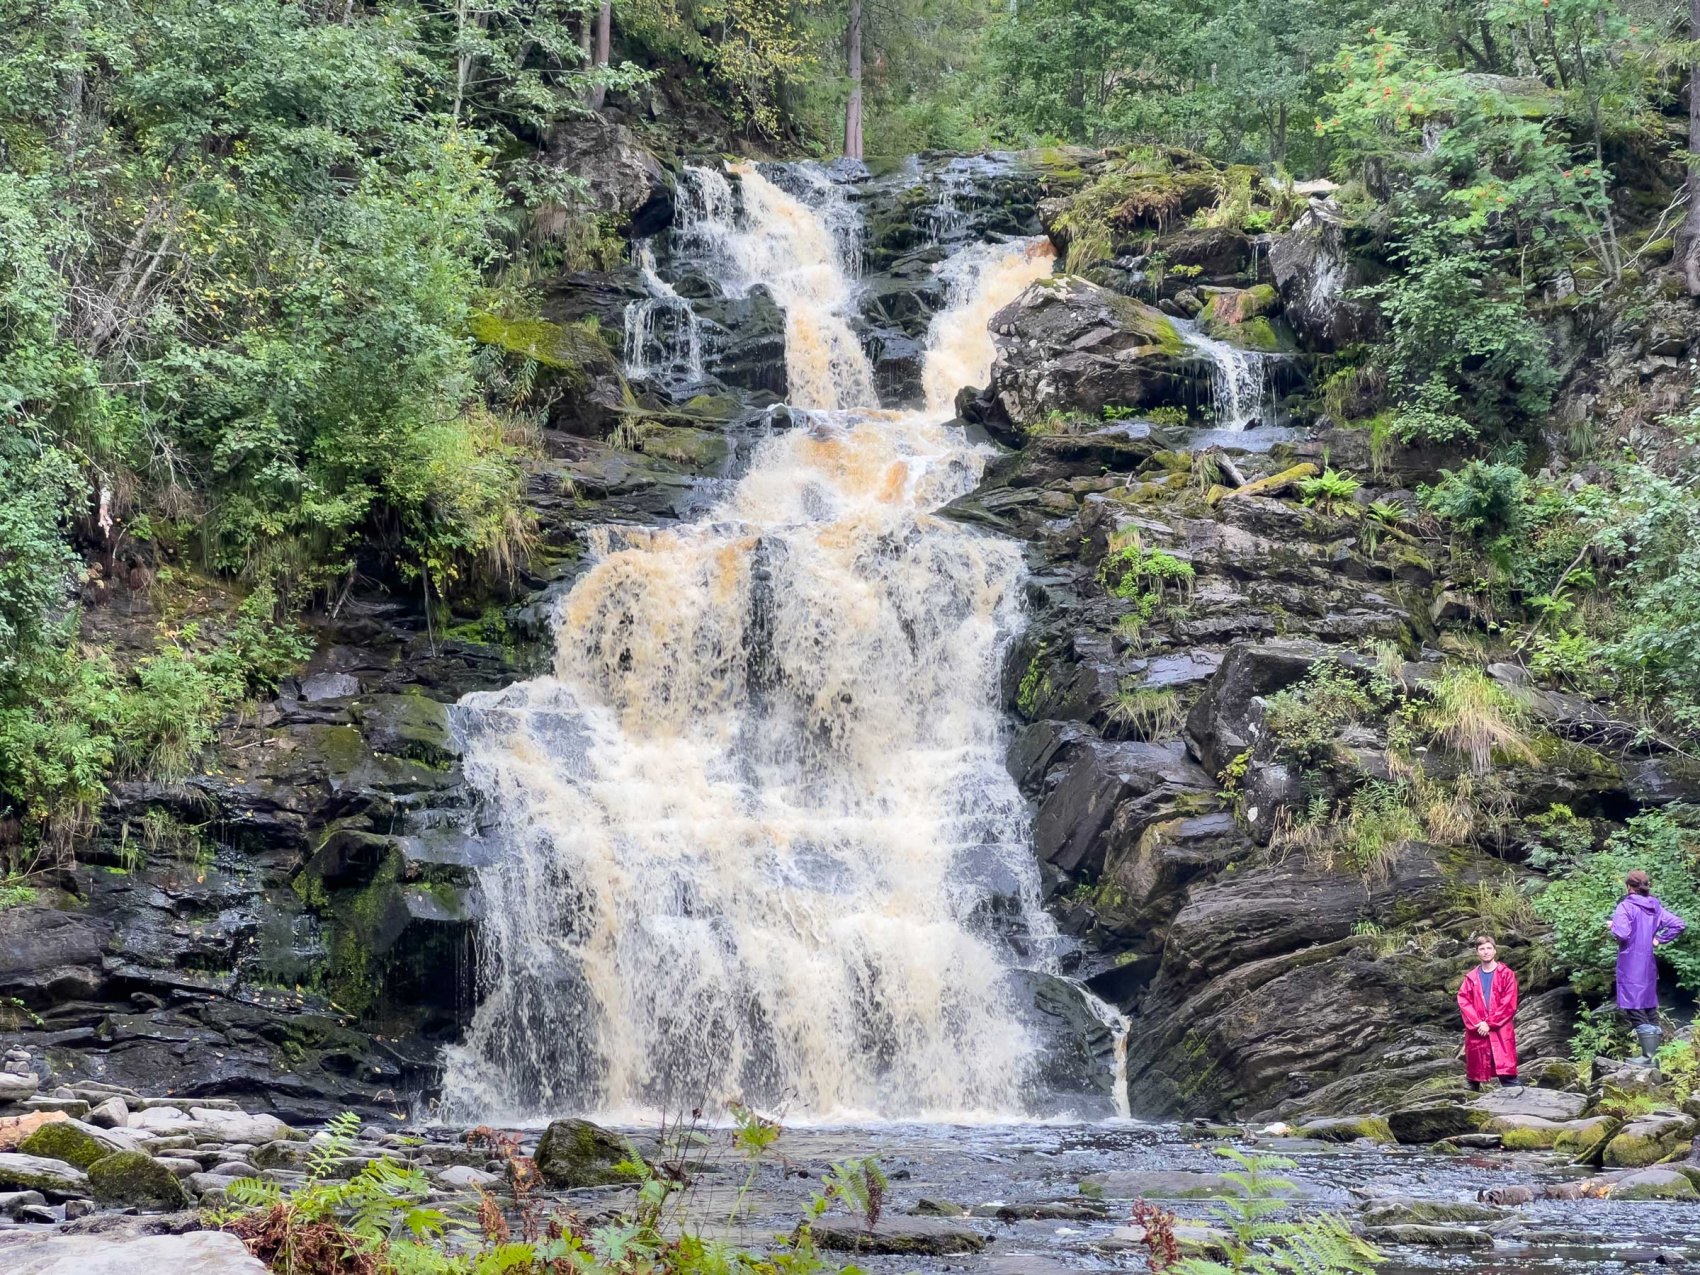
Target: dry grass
(1472, 714)
(1147, 714)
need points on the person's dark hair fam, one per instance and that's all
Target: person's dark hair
(1638, 883)
(1484, 938)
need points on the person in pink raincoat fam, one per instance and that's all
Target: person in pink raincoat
(1639, 925)
(1488, 1000)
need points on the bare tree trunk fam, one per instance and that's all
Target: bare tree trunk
(853, 58)
(1688, 238)
(604, 23)
(584, 48)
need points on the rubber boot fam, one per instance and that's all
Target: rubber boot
(1649, 1037)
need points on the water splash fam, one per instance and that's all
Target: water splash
(1119, 1026)
(754, 822)
(1242, 389)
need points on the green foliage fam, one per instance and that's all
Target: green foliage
(1146, 712)
(1128, 568)
(1579, 904)
(1472, 714)
(1307, 716)
(1331, 491)
(1600, 1030)
(1035, 684)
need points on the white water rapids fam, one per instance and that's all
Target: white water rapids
(754, 827)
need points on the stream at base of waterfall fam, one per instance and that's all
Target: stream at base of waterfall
(756, 838)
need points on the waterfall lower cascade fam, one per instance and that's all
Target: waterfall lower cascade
(1242, 389)
(754, 827)
(663, 336)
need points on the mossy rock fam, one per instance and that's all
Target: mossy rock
(569, 348)
(1432, 1121)
(714, 407)
(575, 1153)
(1274, 484)
(411, 726)
(1348, 1129)
(1581, 1138)
(1655, 1184)
(1647, 1141)
(700, 450)
(1427, 1213)
(132, 1179)
(63, 1140)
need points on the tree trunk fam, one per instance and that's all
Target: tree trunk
(1688, 238)
(853, 57)
(604, 21)
(585, 46)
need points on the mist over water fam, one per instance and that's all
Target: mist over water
(754, 826)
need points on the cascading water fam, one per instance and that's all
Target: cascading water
(1242, 391)
(754, 824)
(663, 336)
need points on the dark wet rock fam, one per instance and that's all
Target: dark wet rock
(1099, 778)
(1069, 345)
(901, 1236)
(575, 1153)
(1431, 1122)
(1044, 1211)
(1222, 724)
(1315, 271)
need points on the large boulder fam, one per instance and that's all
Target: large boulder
(1315, 274)
(1650, 1139)
(903, 1236)
(1223, 722)
(622, 180)
(53, 1178)
(575, 1153)
(1100, 778)
(47, 955)
(1066, 345)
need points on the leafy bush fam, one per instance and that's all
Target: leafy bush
(1307, 716)
(1579, 904)
(1330, 491)
(1484, 500)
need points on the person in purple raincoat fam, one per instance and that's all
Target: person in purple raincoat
(1639, 925)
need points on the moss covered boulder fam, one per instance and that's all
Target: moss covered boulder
(1533, 1133)
(1654, 1184)
(900, 1236)
(576, 1153)
(132, 1179)
(63, 1140)
(1428, 1213)
(1649, 1139)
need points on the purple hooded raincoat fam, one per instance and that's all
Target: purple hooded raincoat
(1639, 920)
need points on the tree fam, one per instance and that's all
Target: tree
(853, 58)
(604, 25)
(1688, 238)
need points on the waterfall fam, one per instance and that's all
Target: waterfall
(979, 281)
(1242, 391)
(1119, 1026)
(756, 836)
(663, 337)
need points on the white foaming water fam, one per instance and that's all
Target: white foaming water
(663, 336)
(753, 824)
(979, 281)
(1119, 1026)
(1242, 391)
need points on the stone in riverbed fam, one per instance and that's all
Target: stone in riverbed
(194, 1253)
(1531, 1133)
(1381, 1213)
(466, 1177)
(576, 1153)
(65, 1140)
(15, 1088)
(111, 1114)
(54, 1178)
(1429, 1236)
(1347, 1129)
(1433, 1121)
(14, 1129)
(1546, 1104)
(1649, 1139)
(1654, 1184)
(136, 1180)
(902, 1236)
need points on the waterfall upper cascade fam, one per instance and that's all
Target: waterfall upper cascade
(756, 836)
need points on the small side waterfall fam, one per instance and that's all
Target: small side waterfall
(1242, 389)
(756, 825)
(663, 337)
(979, 281)
(1119, 1026)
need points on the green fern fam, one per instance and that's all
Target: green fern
(1322, 1244)
(861, 1184)
(340, 1136)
